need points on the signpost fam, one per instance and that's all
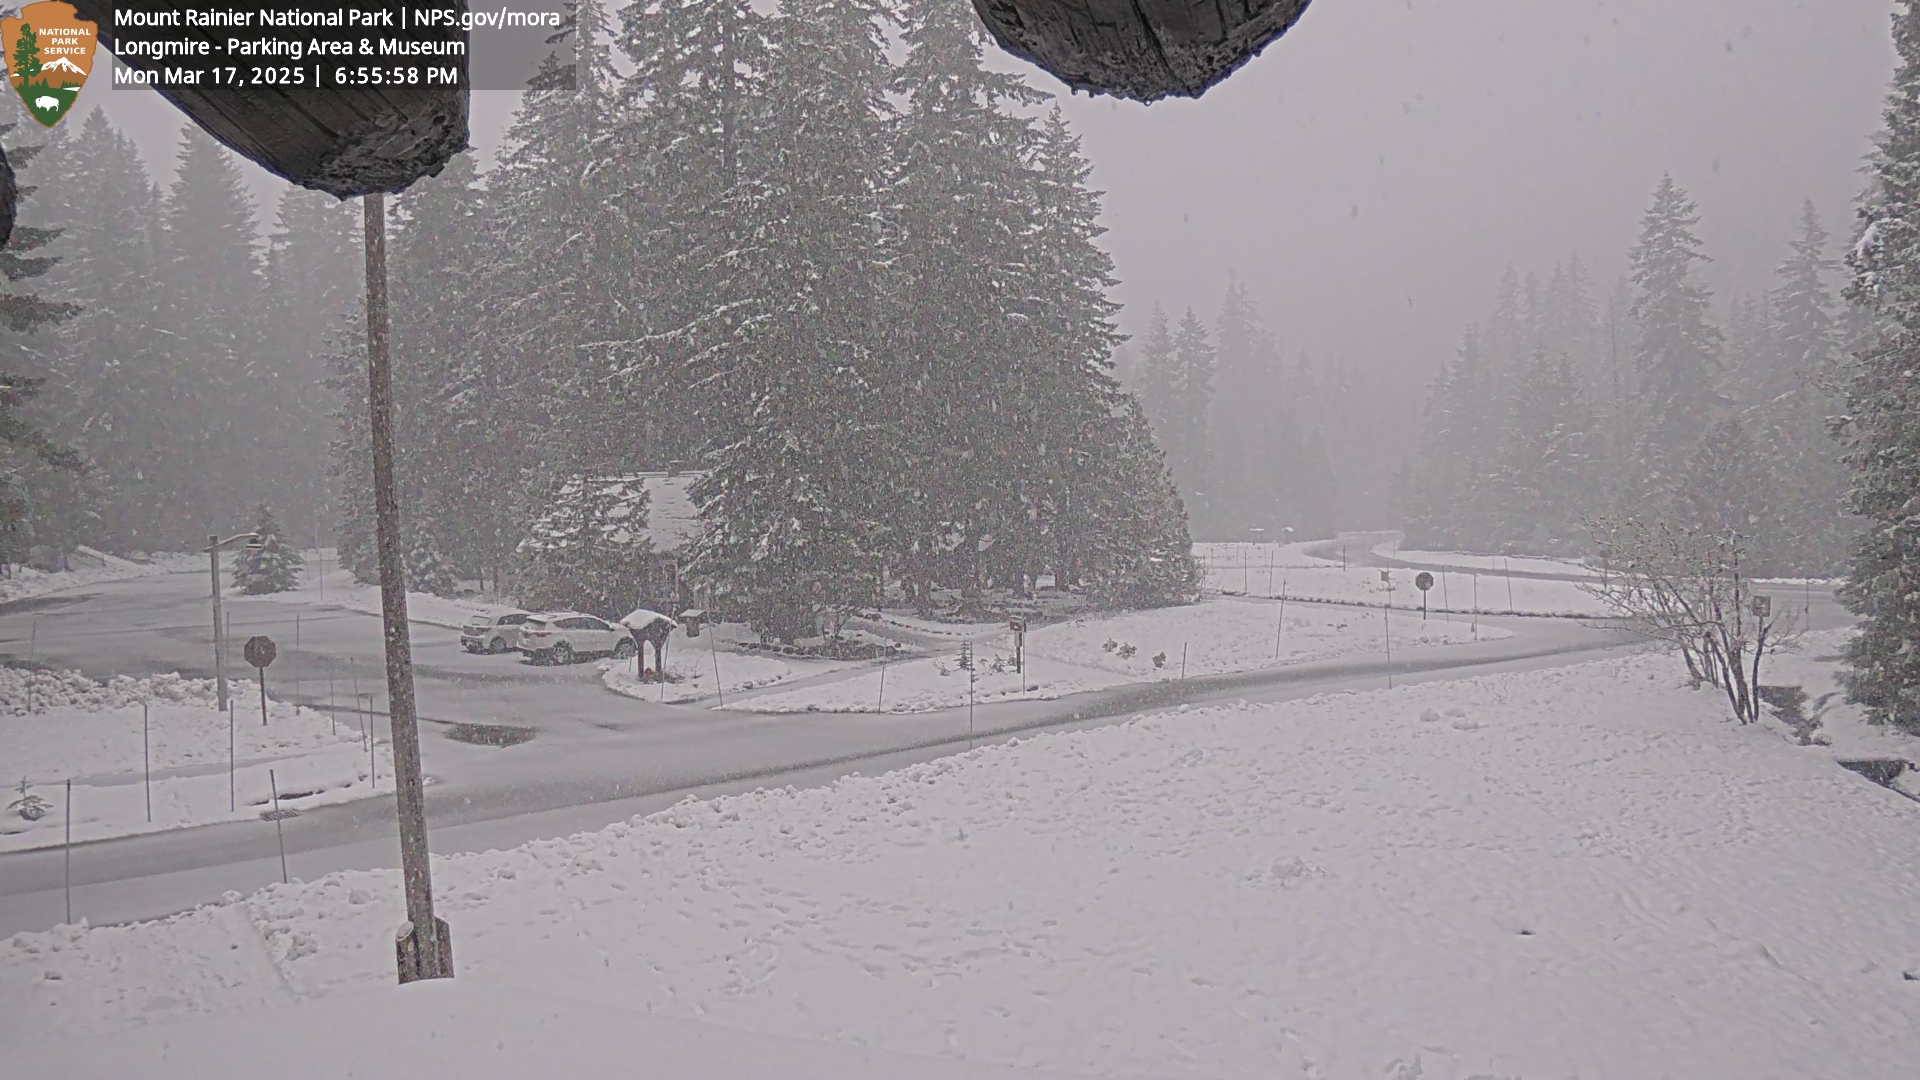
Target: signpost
(1386, 623)
(1018, 624)
(1762, 606)
(1423, 581)
(260, 651)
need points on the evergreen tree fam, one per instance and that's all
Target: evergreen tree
(109, 371)
(314, 277)
(1723, 490)
(427, 571)
(1807, 534)
(1188, 440)
(275, 566)
(1159, 379)
(1140, 554)
(966, 238)
(1883, 398)
(352, 451)
(796, 497)
(452, 398)
(589, 550)
(211, 303)
(1451, 486)
(1546, 470)
(1255, 436)
(41, 483)
(1678, 348)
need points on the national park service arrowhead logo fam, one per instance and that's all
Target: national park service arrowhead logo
(49, 51)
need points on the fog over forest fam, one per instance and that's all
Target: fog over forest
(1370, 187)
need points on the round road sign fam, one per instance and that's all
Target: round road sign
(260, 650)
(1423, 581)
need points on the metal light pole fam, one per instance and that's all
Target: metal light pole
(423, 947)
(214, 544)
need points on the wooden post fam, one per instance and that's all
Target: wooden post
(146, 760)
(428, 955)
(69, 852)
(273, 785)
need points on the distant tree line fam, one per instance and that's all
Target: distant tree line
(1560, 409)
(170, 360)
(1250, 436)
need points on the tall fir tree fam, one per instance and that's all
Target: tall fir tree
(110, 368)
(1809, 535)
(211, 302)
(43, 485)
(275, 565)
(313, 279)
(1189, 438)
(1882, 402)
(1678, 346)
(1545, 477)
(794, 501)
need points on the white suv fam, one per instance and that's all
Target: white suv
(493, 633)
(561, 637)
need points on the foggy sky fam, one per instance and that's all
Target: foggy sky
(1372, 174)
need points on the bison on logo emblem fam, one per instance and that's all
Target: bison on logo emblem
(46, 103)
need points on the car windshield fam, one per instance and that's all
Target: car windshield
(1345, 539)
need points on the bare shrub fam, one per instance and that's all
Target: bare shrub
(1687, 588)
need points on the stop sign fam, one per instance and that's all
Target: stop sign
(260, 650)
(1423, 582)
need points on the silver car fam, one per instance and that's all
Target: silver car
(493, 633)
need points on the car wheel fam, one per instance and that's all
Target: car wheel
(624, 650)
(563, 653)
(497, 645)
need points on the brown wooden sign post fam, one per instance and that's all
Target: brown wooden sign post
(260, 651)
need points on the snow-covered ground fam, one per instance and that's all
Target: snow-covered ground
(1216, 636)
(89, 566)
(60, 726)
(1584, 871)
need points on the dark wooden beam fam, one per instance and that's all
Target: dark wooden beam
(1140, 49)
(343, 140)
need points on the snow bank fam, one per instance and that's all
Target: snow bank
(1581, 871)
(92, 733)
(90, 566)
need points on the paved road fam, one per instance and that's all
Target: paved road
(597, 757)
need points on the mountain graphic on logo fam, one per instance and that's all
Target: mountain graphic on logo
(49, 53)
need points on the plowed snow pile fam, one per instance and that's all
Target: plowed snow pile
(1585, 871)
